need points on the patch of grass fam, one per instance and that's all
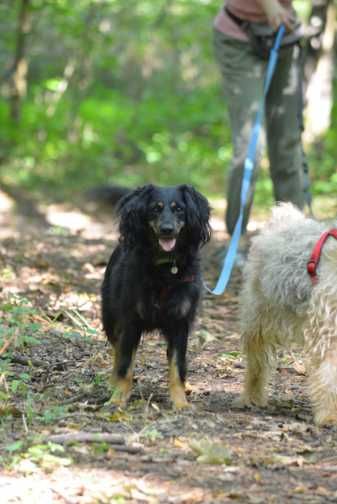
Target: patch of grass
(151, 434)
(232, 356)
(52, 414)
(48, 457)
(20, 325)
(100, 448)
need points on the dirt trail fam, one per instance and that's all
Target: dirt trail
(56, 382)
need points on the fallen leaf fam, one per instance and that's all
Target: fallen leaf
(210, 452)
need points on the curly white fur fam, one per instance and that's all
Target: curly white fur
(279, 305)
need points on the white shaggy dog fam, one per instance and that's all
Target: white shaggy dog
(281, 304)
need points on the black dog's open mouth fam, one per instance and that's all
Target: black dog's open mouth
(167, 244)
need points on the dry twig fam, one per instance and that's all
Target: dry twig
(117, 441)
(87, 437)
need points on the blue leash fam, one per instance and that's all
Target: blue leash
(248, 170)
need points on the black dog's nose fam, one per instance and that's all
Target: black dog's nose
(166, 229)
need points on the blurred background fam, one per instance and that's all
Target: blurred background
(113, 91)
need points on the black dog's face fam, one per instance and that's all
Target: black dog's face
(163, 215)
(166, 216)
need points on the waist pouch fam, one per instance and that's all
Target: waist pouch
(262, 36)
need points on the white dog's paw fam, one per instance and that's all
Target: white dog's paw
(322, 420)
(245, 401)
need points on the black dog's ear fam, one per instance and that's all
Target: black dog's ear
(197, 215)
(132, 212)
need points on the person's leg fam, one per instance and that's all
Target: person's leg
(243, 75)
(283, 126)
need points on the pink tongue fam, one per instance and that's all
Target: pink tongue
(167, 245)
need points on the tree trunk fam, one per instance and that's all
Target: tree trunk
(20, 64)
(319, 72)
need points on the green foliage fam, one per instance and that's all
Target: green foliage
(19, 330)
(50, 415)
(324, 157)
(123, 92)
(49, 456)
(23, 326)
(18, 326)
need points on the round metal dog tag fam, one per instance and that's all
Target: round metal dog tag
(174, 270)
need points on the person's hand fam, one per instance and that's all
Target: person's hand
(277, 14)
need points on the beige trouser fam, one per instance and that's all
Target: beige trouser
(243, 74)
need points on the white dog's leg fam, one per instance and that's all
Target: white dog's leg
(258, 357)
(321, 338)
(322, 382)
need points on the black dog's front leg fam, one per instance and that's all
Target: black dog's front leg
(177, 337)
(125, 353)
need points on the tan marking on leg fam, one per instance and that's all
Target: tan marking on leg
(176, 386)
(122, 386)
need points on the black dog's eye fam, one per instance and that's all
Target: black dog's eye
(157, 208)
(177, 208)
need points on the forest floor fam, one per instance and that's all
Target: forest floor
(54, 380)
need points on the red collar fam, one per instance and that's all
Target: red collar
(313, 262)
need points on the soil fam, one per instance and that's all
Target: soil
(56, 381)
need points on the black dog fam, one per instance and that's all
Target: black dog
(153, 279)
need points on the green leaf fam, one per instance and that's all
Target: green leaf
(14, 447)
